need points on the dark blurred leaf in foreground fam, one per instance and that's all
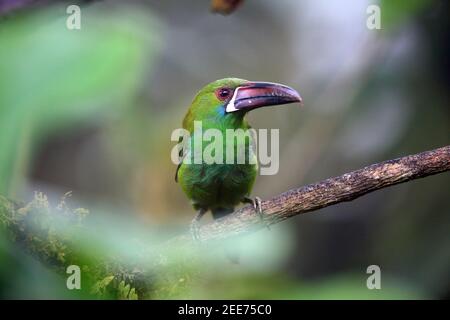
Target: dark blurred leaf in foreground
(225, 6)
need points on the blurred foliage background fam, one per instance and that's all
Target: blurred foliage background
(91, 111)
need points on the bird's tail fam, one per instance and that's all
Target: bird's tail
(232, 254)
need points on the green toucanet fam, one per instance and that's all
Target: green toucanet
(222, 105)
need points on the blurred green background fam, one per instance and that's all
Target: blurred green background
(91, 111)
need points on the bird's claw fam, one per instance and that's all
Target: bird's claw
(195, 230)
(195, 226)
(256, 202)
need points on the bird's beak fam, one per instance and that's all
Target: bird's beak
(254, 95)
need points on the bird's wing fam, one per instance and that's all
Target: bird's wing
(176, 172)
(181, 155)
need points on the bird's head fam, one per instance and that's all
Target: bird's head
(228, 100)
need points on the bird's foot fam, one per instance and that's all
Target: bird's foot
(256, 203)
(195, 225)
(195, 230)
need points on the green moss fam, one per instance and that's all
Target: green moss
(56, 236)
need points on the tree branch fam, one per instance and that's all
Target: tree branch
(346, 187)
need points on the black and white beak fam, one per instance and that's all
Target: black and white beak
(254, 95)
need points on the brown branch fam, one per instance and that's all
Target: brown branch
(346, 187)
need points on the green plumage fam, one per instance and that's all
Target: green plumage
(224, 175)
(217, 187)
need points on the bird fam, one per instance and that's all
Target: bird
(223, 105)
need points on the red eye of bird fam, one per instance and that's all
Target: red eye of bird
(223, 93)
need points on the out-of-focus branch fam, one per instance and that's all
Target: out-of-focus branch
(12, 6)
(346, 187)
(224, 7)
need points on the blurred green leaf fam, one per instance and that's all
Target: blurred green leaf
(280, 286)
(99, 287)
(52, 78)
(126, 292)
(393, 13)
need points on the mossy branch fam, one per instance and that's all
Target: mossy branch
(346, 187)
(35, 225)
